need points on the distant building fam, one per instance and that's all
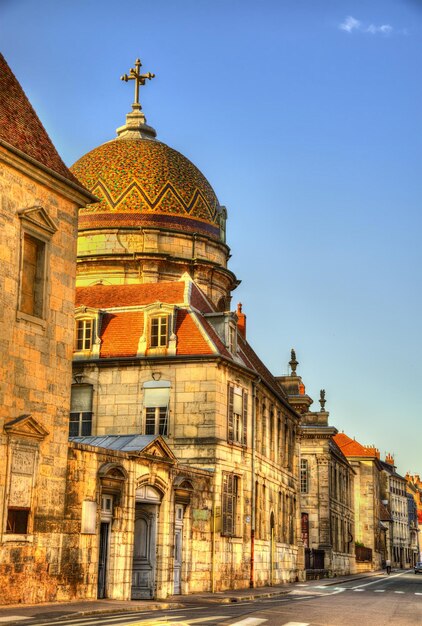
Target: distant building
(396, 495)
(365, 461)
(326, 487)
(414, 491)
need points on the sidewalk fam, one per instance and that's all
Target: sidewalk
(18, 614)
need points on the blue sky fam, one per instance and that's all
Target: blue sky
(305, 116)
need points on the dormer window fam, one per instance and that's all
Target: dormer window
(87, 325)
(159, 331)
(84, 334)
(232, 338)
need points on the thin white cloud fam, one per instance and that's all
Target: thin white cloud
(385, 29)
(351, 24)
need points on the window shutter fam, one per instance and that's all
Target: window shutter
(245, 418)
(228, 504)
(230, 426)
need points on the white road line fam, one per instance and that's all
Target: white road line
(417, 593)
(399, 592)
(302, 585)
(13, 618)
(378, 580)
(249, 621)
(379, 590)
(359, 589)
(296, 624)
(201, 620)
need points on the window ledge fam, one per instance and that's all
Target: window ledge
(18, 538)
(31, 318)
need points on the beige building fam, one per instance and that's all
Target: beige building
(326, 487)
(369, 539)
(395, 493)
(38, 213)
(159, 353)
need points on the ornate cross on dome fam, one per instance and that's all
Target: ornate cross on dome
(139, 80)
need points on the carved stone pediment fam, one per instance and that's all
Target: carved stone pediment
(38, 216)
(159, 449)
(26, 427)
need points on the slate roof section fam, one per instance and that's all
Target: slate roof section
(21, 128)
(351, 447)
(124, 443)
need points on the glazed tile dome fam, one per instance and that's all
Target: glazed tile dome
(144, 182)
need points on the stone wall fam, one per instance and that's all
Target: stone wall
(36, 352)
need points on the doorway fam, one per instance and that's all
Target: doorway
(145, 543)
(178, 548)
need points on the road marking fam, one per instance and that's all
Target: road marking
(249, 621)
(296, 624)
(378, 580)
(379, 590)
(359, 589)
(399, 592)
(417, 593)
(302, 585)
(201, 620)
(15, 618)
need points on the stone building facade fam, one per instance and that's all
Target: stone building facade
(414, 487)
(395, 493)
(159, 352)
(326, 487)
(366, 464)
(40, 199)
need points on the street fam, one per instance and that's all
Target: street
(394, 599)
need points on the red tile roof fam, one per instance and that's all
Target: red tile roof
(21, 128)
(351, 447)
(190, 340)
(196, 336)
(110, 296)
(120, 334)
(199, 301)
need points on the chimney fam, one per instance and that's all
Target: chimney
(241, 321)
(389, 459)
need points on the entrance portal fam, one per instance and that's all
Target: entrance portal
(145, 540)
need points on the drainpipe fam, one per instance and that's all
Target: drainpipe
(255, 383)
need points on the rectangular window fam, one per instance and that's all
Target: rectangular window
(230, 494)
(232, 338)
(156, 422)
(80, 411)
(84, 334)
(237, 415)
(304, 476)
(156, 403)
(33, 276)
(17, 520)
(159, 331)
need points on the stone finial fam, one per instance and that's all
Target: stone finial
(293, 363)
(322, 399)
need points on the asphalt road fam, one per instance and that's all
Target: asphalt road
(382, 600)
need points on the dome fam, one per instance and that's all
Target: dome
(143, 182)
